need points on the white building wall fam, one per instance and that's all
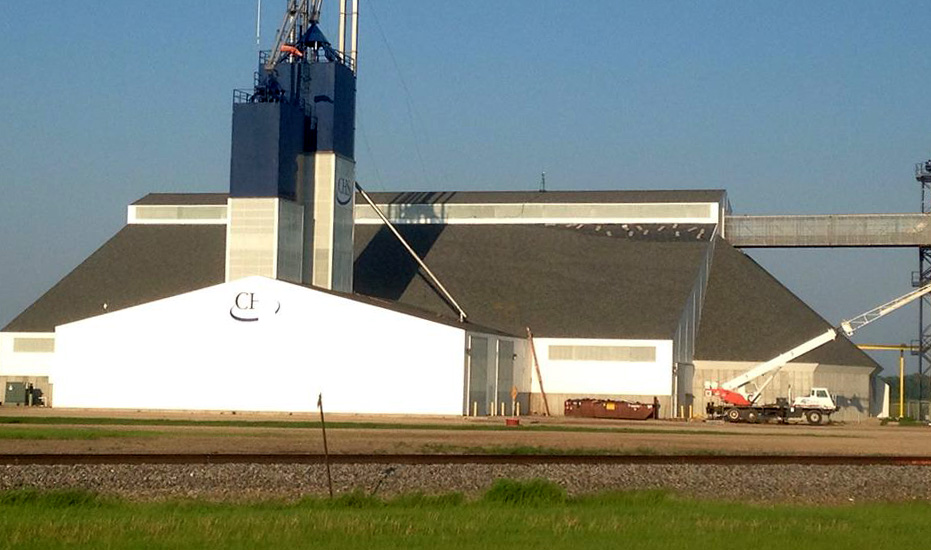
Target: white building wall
(631, 377)
(536, 212)
(27, 357)
(26, 354)
(334, 197)
(639, 376)
(323, 206)
(182, 214)
(258, 344)
(252, 238)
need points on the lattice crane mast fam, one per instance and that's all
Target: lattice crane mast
(299, 16)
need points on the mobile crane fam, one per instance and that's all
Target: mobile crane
(736, 404)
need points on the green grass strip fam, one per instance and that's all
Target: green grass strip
(55, 433)
(511, 514)
(97, 421)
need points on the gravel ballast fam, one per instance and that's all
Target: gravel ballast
(758, 483)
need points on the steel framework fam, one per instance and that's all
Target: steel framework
(921, 278)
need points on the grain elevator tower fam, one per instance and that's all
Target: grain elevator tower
(292, 167)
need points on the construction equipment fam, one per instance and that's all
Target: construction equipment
(736, 404)
(298, 40)
(299, 32)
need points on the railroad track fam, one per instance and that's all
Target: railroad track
(242, 458)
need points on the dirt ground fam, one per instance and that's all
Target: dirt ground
(447, 436)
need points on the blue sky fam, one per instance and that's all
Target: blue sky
(792, 107)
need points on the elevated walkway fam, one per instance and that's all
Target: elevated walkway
(830, 230)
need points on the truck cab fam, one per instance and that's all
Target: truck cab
(818, 398)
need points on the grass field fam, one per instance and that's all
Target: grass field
(102, 421)
(533, 514)
(57, 433)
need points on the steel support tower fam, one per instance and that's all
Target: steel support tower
(921, 278)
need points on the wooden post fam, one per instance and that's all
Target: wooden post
(326, 451)
(533, 352)
(902, 383)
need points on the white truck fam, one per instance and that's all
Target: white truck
(732, 401)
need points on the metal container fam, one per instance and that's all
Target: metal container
(607, 408)
(15, 393)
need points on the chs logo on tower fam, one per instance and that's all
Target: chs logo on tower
(248, 308)
(343, 191)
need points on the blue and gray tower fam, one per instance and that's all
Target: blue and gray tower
(292, 168)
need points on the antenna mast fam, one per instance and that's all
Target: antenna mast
(258, 24)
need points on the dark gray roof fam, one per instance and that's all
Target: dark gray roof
(750, 316)
(183, 199)
(560, 281)
(497, 197)
(576, 281)
(139, 264)
(442, 317)
(143, 263)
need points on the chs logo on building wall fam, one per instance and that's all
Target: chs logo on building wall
(343, 191)
(247, 307)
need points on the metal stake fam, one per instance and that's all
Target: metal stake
(326, 451)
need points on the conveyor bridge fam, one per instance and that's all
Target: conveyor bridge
(829, 230)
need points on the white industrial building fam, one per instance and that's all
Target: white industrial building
(260, 344)
(629, 295)
(291, 285)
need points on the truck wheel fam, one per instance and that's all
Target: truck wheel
(732, 415)
(753, 417)
(814, 417)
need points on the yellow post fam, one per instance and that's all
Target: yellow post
(901, 383)
(901, 348)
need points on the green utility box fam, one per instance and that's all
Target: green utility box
(15, 393)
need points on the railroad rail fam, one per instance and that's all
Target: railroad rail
(421, 459)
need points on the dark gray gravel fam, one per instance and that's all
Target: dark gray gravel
(788, 483)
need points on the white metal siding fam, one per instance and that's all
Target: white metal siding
(534, 213)
(26, 353)
(189, 352)
(613, 377)
(251, 238)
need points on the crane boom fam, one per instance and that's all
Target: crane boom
(291, 14)
(299, 15)
(729, 390)
(779, 361)
(864, 319)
